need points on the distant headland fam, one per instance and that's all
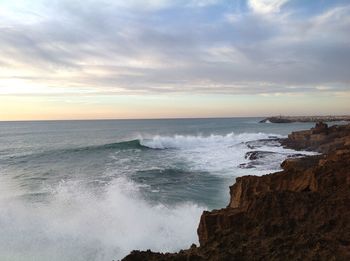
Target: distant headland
(289, 119)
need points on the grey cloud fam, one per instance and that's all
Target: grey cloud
(86, 36)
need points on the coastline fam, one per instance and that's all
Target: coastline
(290, 119)
(299, 213)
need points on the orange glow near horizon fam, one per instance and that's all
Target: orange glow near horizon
(164, 106)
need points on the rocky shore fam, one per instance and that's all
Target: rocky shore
(289, 119)
(299, 213)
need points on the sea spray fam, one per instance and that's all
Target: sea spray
(76, 224)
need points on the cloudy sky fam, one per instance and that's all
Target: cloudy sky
(83, 59)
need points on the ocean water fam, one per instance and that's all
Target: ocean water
(95, 190)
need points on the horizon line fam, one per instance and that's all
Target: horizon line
(119, 119)
(172, 118)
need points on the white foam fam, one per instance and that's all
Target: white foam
(77, 224)
(183, 142)
(218, 154)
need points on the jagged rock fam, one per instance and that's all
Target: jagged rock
(320, 127)
(248, 165)
(296, 155)
(271, 142)
(321, 138)
(254, 155)
(258, 158)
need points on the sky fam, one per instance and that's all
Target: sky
(89, 59)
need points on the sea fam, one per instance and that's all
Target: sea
(97, 189)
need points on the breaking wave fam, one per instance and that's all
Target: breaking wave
(162, 142)
(181, 141)
(178, 141)
(77, 224)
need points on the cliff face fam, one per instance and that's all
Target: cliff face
(300, 213)
(321, 138)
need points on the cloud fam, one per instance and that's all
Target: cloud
(111, 47)
(266, 6)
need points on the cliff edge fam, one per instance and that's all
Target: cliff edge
(299, 213)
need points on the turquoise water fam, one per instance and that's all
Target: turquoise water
(94, 190)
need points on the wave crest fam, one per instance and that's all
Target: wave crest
(182, 141)
(78, 224)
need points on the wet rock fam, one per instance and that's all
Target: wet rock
(256, 159)
(248, 165)
(255, 144)
(296, 155)
(254, 155)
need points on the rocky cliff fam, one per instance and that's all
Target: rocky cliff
(300, 213)
(321, 138)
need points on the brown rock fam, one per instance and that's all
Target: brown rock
(321, 138)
